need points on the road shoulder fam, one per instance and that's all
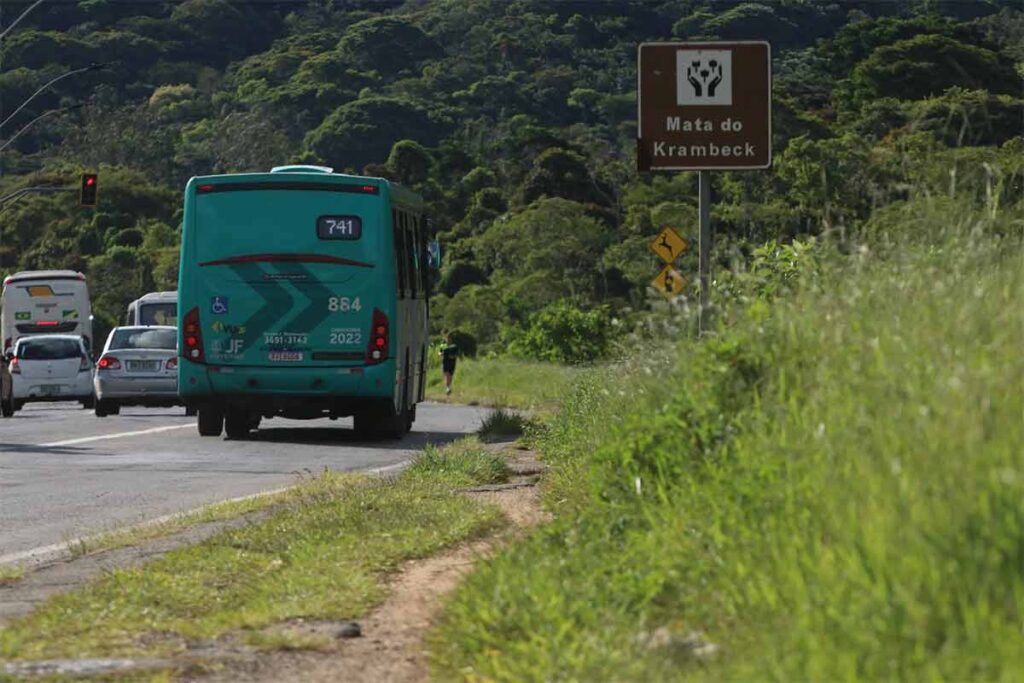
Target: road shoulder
(407, 596)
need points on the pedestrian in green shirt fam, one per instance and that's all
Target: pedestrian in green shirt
(449, 352)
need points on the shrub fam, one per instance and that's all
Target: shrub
(563, 333)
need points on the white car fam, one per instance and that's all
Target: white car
(139, 367)
(51, 367)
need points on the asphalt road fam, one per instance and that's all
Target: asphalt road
(64, 473)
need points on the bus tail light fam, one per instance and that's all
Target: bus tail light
(14, 368)
(377, 351)
(108, 363)
(193, 350)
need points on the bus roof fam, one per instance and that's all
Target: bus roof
(156, 296)
(286, 175)
(44, 275)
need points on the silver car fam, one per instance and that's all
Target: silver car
(139, 367)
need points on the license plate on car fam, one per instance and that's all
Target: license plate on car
(143, 365)
(285, 355)
(49, 389)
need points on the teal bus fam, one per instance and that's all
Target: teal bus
(302, 293)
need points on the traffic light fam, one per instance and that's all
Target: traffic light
(90, 185)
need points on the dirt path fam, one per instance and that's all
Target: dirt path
(391, 647)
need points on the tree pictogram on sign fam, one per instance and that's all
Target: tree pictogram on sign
(704, 77)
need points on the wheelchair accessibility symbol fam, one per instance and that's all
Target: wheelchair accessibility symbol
(219, 305)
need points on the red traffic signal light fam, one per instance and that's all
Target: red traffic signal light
(90, 185)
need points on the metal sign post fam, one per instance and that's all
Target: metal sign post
(704, 250)
(701, 107)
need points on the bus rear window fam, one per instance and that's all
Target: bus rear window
(158, 314)
(341, 225)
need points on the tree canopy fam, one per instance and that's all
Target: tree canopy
(515, 120)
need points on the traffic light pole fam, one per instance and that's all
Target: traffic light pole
(31, 190)
(91, 67)
(30, 123)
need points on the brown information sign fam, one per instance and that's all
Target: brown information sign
(704, 106)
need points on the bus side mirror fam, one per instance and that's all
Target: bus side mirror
(434, 255)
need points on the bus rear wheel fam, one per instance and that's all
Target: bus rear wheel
(210, 421)
(376, 424)
(238, 424)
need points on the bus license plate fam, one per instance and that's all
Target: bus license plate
(285, 355)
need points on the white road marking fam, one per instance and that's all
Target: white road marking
(390, 468)
(55, 551)
(119, 435)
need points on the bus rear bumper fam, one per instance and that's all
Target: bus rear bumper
(291, 392)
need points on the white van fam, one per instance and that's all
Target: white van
(45, 302)
(155, 308)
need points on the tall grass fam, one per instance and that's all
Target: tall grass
(831, 488)
(509, 382)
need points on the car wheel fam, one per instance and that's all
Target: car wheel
(18, 405)
(237, 424)
(7, 407)
(101, 408)
(89, 402)
(210, 421)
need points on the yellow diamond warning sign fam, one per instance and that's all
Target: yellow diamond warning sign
(669, 282)
(668, 245)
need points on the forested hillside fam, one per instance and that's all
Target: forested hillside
(515, 119)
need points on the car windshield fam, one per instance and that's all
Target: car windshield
(144, 339)
(49, 349)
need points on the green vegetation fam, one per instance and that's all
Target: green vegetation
(514, 119)
(9, 573)
(829, 488)
(522, 384)
(323, 556)
(502, 425)
(466, 462)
